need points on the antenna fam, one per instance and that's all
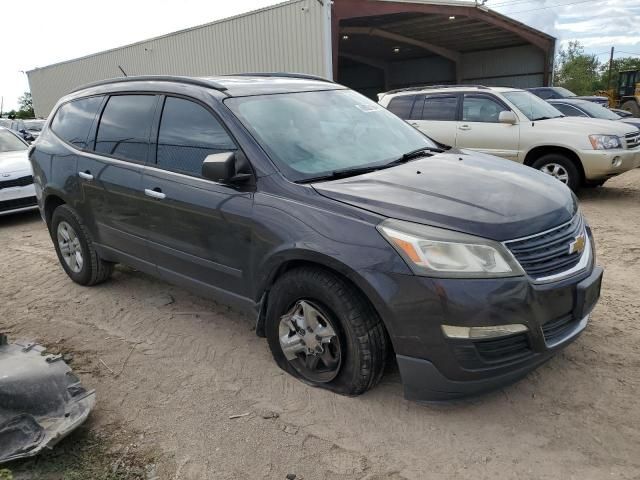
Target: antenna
(122, 70)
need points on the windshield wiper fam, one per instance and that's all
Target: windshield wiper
(418, 152)
(545, 118)
(347, 172)
(351, 172)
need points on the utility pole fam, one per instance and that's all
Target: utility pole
(1, 105)
(610, 68)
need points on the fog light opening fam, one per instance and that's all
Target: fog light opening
(493, 331)
(616, 162)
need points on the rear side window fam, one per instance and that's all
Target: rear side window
(402, 106)
(443, 107)
(73, 120)
(188, 133)
(125, 126)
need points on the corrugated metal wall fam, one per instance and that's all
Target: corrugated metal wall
(515, 67)
(422, 71)
(285, 37)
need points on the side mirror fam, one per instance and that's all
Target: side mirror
(225, 167)
(508, 117)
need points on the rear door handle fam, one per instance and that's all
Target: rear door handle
(86, 175)
(155, 193)
(465, 127)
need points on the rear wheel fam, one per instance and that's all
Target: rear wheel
(559, 167)
(322, 331)
(75, 249)
(632, 106)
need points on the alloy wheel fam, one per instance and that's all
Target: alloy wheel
(557, 171)
(70, 247)
(309, 342)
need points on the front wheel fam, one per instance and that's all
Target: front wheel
(561, 168)
(322, 331)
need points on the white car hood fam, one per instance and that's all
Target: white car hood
(12, 163)
(590, 126)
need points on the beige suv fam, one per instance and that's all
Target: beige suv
(517, 125)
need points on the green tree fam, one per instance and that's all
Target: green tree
(619, 65)
(5, 475)
(26, 106)
(577, 71)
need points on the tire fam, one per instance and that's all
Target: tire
(632, 106)
(594, 184)
(360, 337)
(565, 170)
(91, 270)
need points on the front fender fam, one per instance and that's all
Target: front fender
(370, 281)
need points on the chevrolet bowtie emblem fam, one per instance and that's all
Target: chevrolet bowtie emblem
(578, 244)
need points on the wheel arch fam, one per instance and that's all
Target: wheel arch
(314, 259)
(52, 200)
(537, 152)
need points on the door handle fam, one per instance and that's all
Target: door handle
(464, 127)
(86, 175)
(155, 193)
(414, 124)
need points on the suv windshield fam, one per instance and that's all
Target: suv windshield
(564, 92)
(598, 111)
(533, 107)
(311, 134)
(10, 143)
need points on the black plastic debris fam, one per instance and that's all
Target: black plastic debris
(41, 400)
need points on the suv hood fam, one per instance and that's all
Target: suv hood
(14, 162)
(590, 126)
(461, 190)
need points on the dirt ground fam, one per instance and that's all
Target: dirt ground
(194, 363)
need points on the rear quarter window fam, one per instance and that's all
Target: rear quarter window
(73, 120)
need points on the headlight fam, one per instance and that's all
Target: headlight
(435, 252)
(605, 142)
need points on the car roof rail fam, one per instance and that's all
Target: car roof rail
(201, 82)
(429, 87)
(304, 76)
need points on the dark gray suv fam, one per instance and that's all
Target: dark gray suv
(345, 231)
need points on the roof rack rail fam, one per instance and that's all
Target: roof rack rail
(427, 87)
(305, 76)
(158, 78)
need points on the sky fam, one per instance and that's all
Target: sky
(49, 31)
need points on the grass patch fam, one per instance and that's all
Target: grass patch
(86, 454)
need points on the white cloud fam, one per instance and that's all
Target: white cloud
(46, 31)
(598, 25)
(52, 31)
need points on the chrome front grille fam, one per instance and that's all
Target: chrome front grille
(632, 139)
(550, 253)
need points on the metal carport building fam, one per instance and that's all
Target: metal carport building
(369, 45)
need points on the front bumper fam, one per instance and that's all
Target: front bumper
(435, 368)
(602, 164)
(17, 199)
